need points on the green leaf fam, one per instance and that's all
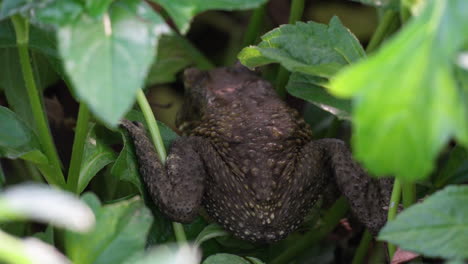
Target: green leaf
(310, 48)
(182, 11)
(437, 227)
(311, 88)
(125, 167)
(97, 8)
(167, 254)
(172, 58)
(47, 236)
(17, 140)
(107, 61)
(96, 156)
(230, 259)
(12, 7)
(60, 12)
(406, 101)
(120, 232)
(209, 232)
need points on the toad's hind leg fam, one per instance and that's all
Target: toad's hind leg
(367, 196)
(176, 187)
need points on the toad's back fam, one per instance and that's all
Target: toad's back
(252, 185)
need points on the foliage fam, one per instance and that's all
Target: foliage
(405, 96)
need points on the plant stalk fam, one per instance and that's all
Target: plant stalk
(392, 211)
(385, 26)
(362, 248)
(330, 220)
(159, 146)
(255, 24)
(408, 194)
(297, 9)
(21, 26)
(81, 131)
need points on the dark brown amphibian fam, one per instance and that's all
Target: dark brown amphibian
(249, 161)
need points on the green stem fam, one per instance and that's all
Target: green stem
(201, 61)
(393, 209)
(22, 38)
(385, 26)
(362, 248)
(297, 9)
(159, 145)
(255, 24)
(330, 220)
(408, 193)
(81, 131)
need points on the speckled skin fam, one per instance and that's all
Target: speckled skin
(248, 159)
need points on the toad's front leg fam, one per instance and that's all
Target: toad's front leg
(177, 186)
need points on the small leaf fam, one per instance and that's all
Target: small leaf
(229, 259)
(17, 140)
(311, 89)
(107, 61)
(120, 232)
(96, 156)
(47, 205)
(438, 227)
(47, 236)
(406, 98)
(310, 48)
(209, 232)
(182, 11)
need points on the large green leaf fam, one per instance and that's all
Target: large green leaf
(107, 60)
(230, 259)
(437, 227)
(120, 232)
(310, 48)
(406, 101)
(96, 156)
(182, 11)
(17, 140)
(12, 7)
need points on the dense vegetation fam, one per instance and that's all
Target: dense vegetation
(71, 69)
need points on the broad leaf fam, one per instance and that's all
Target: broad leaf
(182, 11)
(209, 232)
(230, 259)
(12, 7)
(17, 140)
(167, 253)
(438, 227)
(310, 48)
(107, 60)
(96, 156)
(60, 12)
(120, 232)
(406, 101)
(311, 89)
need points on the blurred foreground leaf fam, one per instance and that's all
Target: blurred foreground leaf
(438, 227)
(107, 59)
(407, 104)
(230, 259)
